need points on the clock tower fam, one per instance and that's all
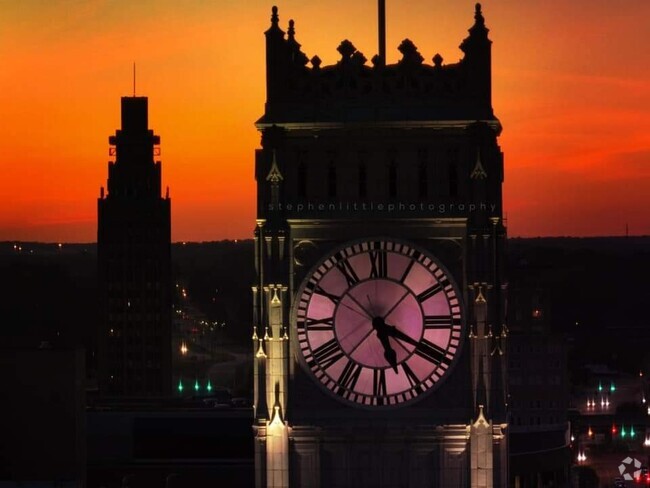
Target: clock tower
(379, 335)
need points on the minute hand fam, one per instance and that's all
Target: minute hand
(423, 348)
(394, 332)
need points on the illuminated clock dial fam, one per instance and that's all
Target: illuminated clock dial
(378, 323)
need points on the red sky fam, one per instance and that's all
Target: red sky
(570, 86)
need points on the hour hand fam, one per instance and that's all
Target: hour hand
(389, 353)
(382, 334)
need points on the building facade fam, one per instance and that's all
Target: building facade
(379, 336)
(538, 382)
(133, 247)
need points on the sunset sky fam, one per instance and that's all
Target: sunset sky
(571, 86)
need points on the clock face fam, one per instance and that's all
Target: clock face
(378, 323)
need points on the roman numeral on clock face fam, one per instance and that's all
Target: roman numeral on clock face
(348, 272)
(379, 383)
(326, 354)
(406, 272)
(413, 380)
(431, 352)
(437, 321)
(349, 376)
(378, 263)
(319, 324)
(333, 298)
(429, 292)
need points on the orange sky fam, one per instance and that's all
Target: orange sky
(570, 85)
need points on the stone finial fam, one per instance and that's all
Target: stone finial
(346, 49)
(292, 31)
(478, 29)
(316, 62)
(274, 175)
(478, 15)
(437, 60)
(274, 16)
(410, 54)
(359, 58)
(478, 173)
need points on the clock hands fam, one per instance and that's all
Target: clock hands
(398, 334)
(390, 355)
(423, 348)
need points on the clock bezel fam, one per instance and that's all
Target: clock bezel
(295, 345)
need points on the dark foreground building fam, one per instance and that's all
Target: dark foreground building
(133, 248)
(538, 385)
(42, 417)
(379, 334)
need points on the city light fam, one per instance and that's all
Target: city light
(582, 457)
(183, 348)
(209, 386)
(612, 387)
(196, 385)
(623, 432)
(600, 386)
(632, 433)
(180, 386)
(646, 443)
(590, 432)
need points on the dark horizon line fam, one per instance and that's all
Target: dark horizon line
(236, 240)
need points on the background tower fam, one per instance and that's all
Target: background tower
(133, 241)
(364, 167)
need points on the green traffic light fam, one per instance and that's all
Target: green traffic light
(623, 433)
(209, 387)
(632, 433)
(180, 386)
(612, 388)
(196, 385)
(600, 386)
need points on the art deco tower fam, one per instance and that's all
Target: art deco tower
(133, 245)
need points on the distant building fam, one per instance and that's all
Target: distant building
(538, 387)
(42, 417)
(133, 246)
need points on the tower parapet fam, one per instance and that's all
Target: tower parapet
(302, 91)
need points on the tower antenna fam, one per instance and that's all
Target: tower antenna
(134, 78)
(382, 29)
